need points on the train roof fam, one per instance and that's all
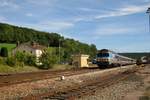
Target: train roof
(107, 50)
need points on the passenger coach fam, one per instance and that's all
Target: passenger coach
(106, 58)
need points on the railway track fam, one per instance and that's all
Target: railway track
(83, 90)
(87, 90)
(10, 79)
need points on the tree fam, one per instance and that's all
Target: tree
(20, 56)
(4, 52)
(30, 60)
(48, 60)
(11, 61)
(12, 34)
(93, 51)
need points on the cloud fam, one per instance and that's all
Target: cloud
(88, 9)
(42, 3)
(9, 4)
(128, 10)
(29, 14)
(115, 30)
(2, 19)
(51, 26)
(107, 13)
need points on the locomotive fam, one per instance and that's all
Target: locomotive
(106, 58)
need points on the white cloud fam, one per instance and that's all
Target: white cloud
(42, 3)
(9, 4)
(115, 29)
(126, 10)
(2, 19)
(51, 26)
(88, 9)
(29, 14)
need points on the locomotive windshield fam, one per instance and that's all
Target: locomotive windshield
(103, 55)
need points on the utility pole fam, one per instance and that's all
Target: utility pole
(148, 12)
(59, 49)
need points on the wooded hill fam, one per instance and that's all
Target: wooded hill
(13, 34)
(135, 55)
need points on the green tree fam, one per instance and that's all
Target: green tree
(48, 60)
(30, 60)
(4, 52)
(11, 61)
(93, 51)
(20, 56)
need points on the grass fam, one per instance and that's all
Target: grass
(16, 69)
(8, 46)
(61, 67)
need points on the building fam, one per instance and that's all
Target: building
(80, 60)
(30, 48)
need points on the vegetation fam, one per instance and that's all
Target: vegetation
(4, 52)
(10, 61)
(136, 55)
(48, 60)
(7, 69)
(9, 46)
(13, 34)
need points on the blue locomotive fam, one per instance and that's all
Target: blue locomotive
(106, 58)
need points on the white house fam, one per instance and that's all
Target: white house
(32, 48)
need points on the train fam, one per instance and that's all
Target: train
(106, 58)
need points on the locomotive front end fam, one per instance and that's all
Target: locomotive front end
(102, 58)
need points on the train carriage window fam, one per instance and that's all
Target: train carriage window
(103, 55)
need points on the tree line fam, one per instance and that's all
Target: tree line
(13, 34)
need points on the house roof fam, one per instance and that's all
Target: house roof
(33, 45)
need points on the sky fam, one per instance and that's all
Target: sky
(118, 25)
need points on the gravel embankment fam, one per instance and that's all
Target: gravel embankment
(116, 91)
(128, 89)
(17, 91)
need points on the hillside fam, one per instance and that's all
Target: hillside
(14, 34)
(135, 55)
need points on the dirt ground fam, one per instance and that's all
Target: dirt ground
(135, 87)
(142, 93)
(19, 91)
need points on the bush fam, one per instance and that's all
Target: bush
(25, 58)
(11, 61)
(48, 60)
(30, 60)
(2, 60)
(20, 56)
(4, 52)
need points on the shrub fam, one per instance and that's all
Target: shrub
(25, 58)
(4, 52)
(20, 56)
(11, 61)
(30, 60)
(48, 60)
(2, 61)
